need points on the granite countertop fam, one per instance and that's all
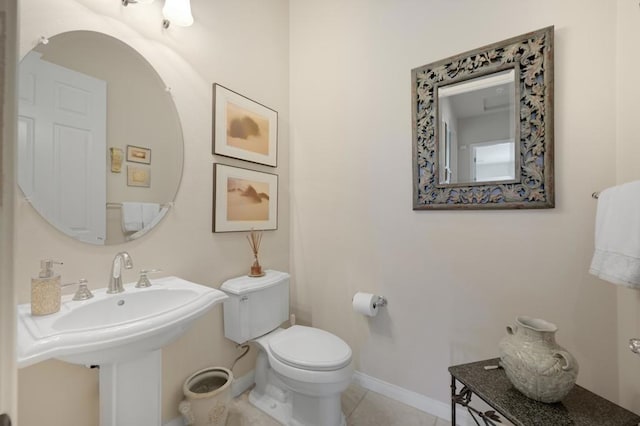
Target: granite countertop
(580, 407)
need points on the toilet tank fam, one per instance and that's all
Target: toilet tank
(256, 305)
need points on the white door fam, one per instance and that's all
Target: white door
(62, 147)
(8, 372)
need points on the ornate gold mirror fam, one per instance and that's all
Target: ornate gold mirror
(483, 127)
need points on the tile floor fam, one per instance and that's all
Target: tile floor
(360, 406)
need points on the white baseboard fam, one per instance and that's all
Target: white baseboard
(412, 399)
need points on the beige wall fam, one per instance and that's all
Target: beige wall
(9, 41)
(453, 279)
(628, 153)
(242, 45)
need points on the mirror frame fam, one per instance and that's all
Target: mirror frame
(531, 55)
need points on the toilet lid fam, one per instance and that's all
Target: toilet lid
(310, 348)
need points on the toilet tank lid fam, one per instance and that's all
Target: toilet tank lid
(246, 284)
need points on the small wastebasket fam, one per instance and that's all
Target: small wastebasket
(207, 394)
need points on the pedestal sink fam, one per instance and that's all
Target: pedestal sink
(124, 334)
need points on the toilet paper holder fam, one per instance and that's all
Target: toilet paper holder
(368, 304)
(380, 302)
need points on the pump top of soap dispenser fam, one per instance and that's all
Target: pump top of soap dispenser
(46, 268)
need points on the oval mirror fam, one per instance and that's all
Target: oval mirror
(100, 148)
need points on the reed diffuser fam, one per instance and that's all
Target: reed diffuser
(254, 239)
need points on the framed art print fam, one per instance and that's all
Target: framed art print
(138, 154)
(244, 199)
(139, 176)
(243, 128)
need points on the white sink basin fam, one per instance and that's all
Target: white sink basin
(112, 327)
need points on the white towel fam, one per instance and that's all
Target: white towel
(131, 217)
(617, 243)
(147, 228)
(149, 212)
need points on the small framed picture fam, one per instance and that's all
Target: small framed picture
(138, 154)
(244, 199)
(139, 176)
(243, 128)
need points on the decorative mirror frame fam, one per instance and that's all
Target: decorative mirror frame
(531, 55)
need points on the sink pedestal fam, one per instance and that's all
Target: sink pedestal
(131, 391)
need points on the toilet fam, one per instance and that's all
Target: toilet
(300, 371)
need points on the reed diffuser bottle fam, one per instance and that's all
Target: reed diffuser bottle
(254, 239)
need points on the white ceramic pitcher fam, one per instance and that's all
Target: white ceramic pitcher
(535, 364)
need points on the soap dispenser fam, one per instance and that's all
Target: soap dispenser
(45, 290)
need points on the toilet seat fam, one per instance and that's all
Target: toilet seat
(310, 349)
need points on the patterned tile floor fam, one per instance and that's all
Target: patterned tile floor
(360, 406)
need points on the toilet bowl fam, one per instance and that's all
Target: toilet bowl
(300, 371)
(315, 368)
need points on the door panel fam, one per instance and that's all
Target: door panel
(62, 137)
(74, 182)
(8, 130)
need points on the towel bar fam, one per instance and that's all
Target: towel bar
(118, 205)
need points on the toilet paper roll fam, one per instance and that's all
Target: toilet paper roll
(365, 304)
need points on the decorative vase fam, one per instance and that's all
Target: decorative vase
(207, 395)
(255, 238)
(535, 364)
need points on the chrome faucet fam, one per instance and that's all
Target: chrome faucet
(115, 281)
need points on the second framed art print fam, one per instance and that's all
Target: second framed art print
(243, 128)
(138, 154)
(244, 199)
